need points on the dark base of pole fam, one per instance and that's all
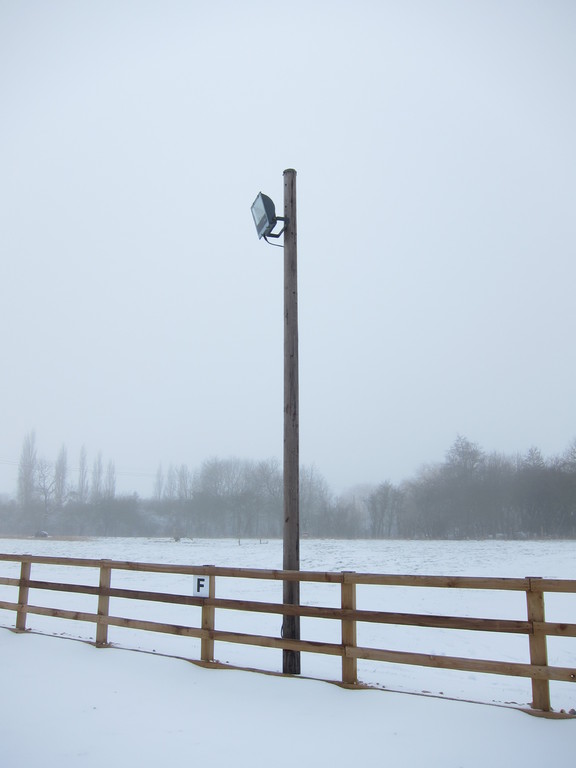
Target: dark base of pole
(291, 631)
(291, 662)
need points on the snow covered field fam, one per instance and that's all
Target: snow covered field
(69, 704)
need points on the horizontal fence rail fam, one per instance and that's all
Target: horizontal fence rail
(535, 627)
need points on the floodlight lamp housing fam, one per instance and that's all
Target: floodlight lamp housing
(264, 215)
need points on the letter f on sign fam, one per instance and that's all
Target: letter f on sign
(201, 587)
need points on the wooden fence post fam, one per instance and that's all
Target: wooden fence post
(538, 647)
(208, 611)
(348, 600)
(103, 605)
(23, 591)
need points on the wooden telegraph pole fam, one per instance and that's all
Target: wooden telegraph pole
(291, 624)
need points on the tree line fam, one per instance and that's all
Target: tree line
(223, 498)
(473, 494)
(470, 494)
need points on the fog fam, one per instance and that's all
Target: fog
(142, 317)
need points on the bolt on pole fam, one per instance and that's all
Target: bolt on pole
(291, 624)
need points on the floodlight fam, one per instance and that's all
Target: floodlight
(264, 215)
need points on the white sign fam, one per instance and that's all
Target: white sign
(201, 586)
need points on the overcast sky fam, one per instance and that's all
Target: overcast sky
(434, 143)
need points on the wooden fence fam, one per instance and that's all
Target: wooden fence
(536, 628)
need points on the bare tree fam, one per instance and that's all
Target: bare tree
(27, 471)
(159, 483)
(314, 502)
(184, 484)
(60, 476)
(45, 484)
(96, 487)
(463, 457)
(82, 489)
(110, 482)
(384, 505)
(171, 484)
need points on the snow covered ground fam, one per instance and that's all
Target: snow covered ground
(66, 703)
